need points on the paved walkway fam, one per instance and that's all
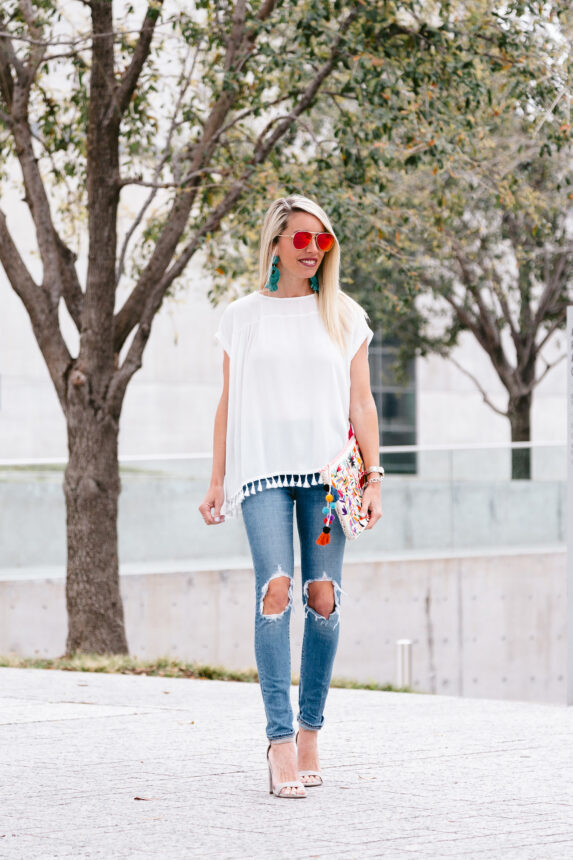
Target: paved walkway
(112, 766)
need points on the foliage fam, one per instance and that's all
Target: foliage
(416, 105)
(404, 91)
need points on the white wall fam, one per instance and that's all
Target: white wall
(451, 408)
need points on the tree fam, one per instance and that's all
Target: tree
(503, 271)
(481, 239)
(102, 131)
(197, 107)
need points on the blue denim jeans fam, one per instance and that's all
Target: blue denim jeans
(268, 517)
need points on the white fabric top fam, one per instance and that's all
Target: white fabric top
(289, 393)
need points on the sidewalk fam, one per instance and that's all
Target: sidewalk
(113, 766)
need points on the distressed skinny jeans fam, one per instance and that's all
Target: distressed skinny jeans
(268, 517)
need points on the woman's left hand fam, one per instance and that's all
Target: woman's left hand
(371, 504)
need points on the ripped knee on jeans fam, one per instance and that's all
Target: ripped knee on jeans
(276, 594)
(322, 595)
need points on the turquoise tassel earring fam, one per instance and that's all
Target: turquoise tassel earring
(314, 283)
(273, 281)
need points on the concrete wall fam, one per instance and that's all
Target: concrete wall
(490, 626)
(159, 517)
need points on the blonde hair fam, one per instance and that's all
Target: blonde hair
(336, 308)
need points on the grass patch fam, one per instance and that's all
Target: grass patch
(349, 684)
(164, 667)
(35, 467)
(124, 665)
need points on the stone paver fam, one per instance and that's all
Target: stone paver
(112, 766)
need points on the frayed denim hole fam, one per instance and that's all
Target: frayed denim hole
(276, 575)
(334, 617)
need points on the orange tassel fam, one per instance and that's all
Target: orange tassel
(323, 539)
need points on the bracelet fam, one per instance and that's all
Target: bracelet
(379, 469)
(374, 481)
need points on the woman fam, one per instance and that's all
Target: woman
(295, 371)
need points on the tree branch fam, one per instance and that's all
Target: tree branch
(553, 327)
(553, 286)
(158, 168)
(504, 305)
(37, 50)
(487, 332)
(74, 43)
(266, 9)
(478, 385)
(137, 180)
(6, 119)
(236, 36)
(7, 59)
(43, 314)
(71, 289)
(548, 366)
(36, 196)
(126, 87)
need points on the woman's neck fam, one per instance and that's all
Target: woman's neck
(291, 287)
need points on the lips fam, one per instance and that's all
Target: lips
(309, 262)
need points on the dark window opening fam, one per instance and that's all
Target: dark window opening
(395, 401)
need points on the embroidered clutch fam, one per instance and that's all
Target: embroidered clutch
(347, 474)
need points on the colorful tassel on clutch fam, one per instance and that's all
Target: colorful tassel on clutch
(324, 537)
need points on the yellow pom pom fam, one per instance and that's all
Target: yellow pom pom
(329, 497)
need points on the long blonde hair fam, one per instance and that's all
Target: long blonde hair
(336, 307)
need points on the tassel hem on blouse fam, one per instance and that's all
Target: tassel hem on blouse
(259, 484)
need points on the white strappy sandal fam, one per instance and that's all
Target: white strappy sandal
(280, 786)
(314, 774)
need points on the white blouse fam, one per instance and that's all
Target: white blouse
(289, 393)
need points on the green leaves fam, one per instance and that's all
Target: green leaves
(407, 122)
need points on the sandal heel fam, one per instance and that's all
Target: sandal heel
(276, 789)
(270, 772)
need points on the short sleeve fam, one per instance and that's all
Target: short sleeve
(223, 335)
(361, 332)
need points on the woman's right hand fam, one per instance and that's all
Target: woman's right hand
(210, 507)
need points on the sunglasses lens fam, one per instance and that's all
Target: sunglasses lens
(301, 239)
(325, 241)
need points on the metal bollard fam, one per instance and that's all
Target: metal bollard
(404, 662)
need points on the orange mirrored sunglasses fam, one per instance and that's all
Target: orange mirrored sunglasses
(302, 238)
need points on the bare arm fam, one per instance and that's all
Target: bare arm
(220, 430)
(215, 495)
(364, 418)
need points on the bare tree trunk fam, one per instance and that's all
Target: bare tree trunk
(91, 487)
(519, 414)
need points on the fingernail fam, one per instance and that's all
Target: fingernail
(217, 519)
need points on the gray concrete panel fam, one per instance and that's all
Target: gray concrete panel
(489, 625)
